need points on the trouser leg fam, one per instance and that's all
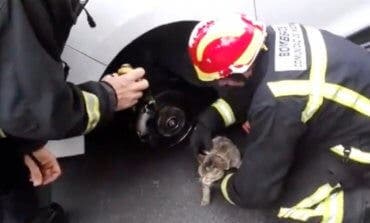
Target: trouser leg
(20, 205)
(312, 172)
(17, 194)
(19, 199)
(357, 205)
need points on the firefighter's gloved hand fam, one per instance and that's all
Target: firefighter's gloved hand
(201, 138)
(209, 122)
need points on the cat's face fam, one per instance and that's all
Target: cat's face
(212, 176)
(211, 169)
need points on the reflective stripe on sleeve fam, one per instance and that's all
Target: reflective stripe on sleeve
(93, 110)
(348, 98)
(2, 134)
(355, 154)
(225, 111)
(224, 188)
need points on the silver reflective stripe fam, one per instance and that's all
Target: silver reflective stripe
(355, 154)
(93, 110)
(225, 111)
(2, 134)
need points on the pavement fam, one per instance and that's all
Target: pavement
(120, 181)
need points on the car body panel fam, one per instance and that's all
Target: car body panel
(343, 17)
(119, 23)
(90, 50)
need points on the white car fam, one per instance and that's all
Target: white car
(125, 28)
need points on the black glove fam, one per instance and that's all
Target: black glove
(209, 122)
(201, 139)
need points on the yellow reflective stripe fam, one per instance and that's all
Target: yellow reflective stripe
(299, 214)
(92, 109)
(316, 88)
(2, 134)
(224, 188)
(304, 209)
(334, 208)
(317, 72)
(348, 98)
(355, 154)
(319, 195)
(334, 92)
(203, 76)
(312, 87)
(289, 87)
(225, 111)
(252, 50)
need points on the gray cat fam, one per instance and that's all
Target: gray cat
(222, 156)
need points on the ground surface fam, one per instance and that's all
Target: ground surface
(116, 183)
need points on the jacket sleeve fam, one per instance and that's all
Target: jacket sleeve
(231, 108)
(24, 146)
(36, 102)
(267, 158)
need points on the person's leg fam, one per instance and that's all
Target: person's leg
(17, 193)
(357, 205)
(20, 201)
(313, 170)
(19, 205)
(48, 211)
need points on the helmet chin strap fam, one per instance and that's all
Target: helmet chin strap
(229, 82)
(249, 72)
(236, 80)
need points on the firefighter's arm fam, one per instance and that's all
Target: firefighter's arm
(267, 159)
(36, 103)
(215, 118)
(229, 109)
(69, 110)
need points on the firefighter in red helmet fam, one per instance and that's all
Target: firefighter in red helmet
(306, 95)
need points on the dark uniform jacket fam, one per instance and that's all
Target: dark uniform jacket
(36, 103)
(312, 98)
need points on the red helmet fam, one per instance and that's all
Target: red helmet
(229, 45)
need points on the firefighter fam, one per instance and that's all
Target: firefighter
(306, 95)
(37, 104)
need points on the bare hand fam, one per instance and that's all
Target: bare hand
(45, 169)
(128, 87)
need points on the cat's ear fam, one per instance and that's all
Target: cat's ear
(201, 158)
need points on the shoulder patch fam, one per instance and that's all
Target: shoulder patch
(290, 50)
